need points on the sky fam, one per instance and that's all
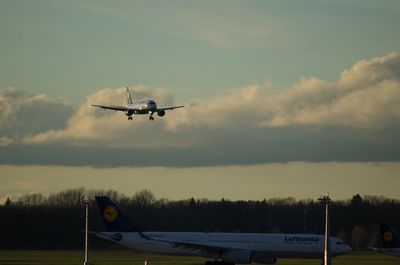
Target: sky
(282, 98)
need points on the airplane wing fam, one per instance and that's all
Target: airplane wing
(170, 108)
(111, 107)
(210, 249)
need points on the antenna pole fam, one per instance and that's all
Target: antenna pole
(87, 204)
(327, 246)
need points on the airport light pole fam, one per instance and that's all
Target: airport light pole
(87, 205)
(327, 246)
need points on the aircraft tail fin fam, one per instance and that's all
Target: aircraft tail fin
(113, 218)
(128, 96)
(389, 238)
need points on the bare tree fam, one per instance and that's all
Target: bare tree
(359, 238)
(143, 198)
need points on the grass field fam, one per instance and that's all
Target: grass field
(125, 257)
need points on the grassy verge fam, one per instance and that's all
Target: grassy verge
(125, 257)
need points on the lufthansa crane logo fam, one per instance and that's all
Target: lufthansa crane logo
(387, 236)
(110, 213)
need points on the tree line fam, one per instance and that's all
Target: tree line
(35, 221)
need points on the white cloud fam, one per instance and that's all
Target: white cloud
(91, 126)
(21, 113)
(180, 127)
(4, 141)
(367, 95)
(366, 73)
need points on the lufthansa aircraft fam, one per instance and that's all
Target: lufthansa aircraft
(142, 107)
(390, 242)
(221, 248)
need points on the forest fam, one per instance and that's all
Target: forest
(56, 221)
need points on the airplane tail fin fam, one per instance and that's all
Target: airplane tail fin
(389, 238)
(113, 218)
(128, 96)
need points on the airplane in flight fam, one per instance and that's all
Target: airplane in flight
(221, 248)
(142, 107)
(390, 242)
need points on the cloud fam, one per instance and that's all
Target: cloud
(22, 113)
(366, 95)
(227, 33)
(197, 21)
(356, 118)
(366, 73)
(189, 126)
(4, 141)
(92, 126)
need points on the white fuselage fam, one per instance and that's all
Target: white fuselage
(392, 251)
(260, 245)
(142, 107)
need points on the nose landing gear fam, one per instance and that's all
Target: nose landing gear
(129, 118)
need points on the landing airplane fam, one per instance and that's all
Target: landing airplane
(142, 107)
(390, 242)
(222, 248)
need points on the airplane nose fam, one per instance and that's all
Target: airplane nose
(347, 248)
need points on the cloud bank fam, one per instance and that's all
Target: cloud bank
(355, 118)
(22, 114)
(366, 95)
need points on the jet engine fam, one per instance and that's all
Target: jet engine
(262, 258)
(161, 113)
(240, 256)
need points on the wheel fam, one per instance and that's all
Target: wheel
(151, 118)
(129, 118)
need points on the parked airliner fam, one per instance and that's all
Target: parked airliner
(221, 248)
(390, 242)
(142, 107)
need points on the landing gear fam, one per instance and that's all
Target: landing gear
(130, 118)
(151, 118)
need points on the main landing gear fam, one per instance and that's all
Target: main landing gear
(130, 118)
(151, 118)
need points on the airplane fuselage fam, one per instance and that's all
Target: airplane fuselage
(392, 251)
(142, 107)
(253, 247)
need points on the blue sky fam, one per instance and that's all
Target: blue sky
(282, 91)
(192, 48)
